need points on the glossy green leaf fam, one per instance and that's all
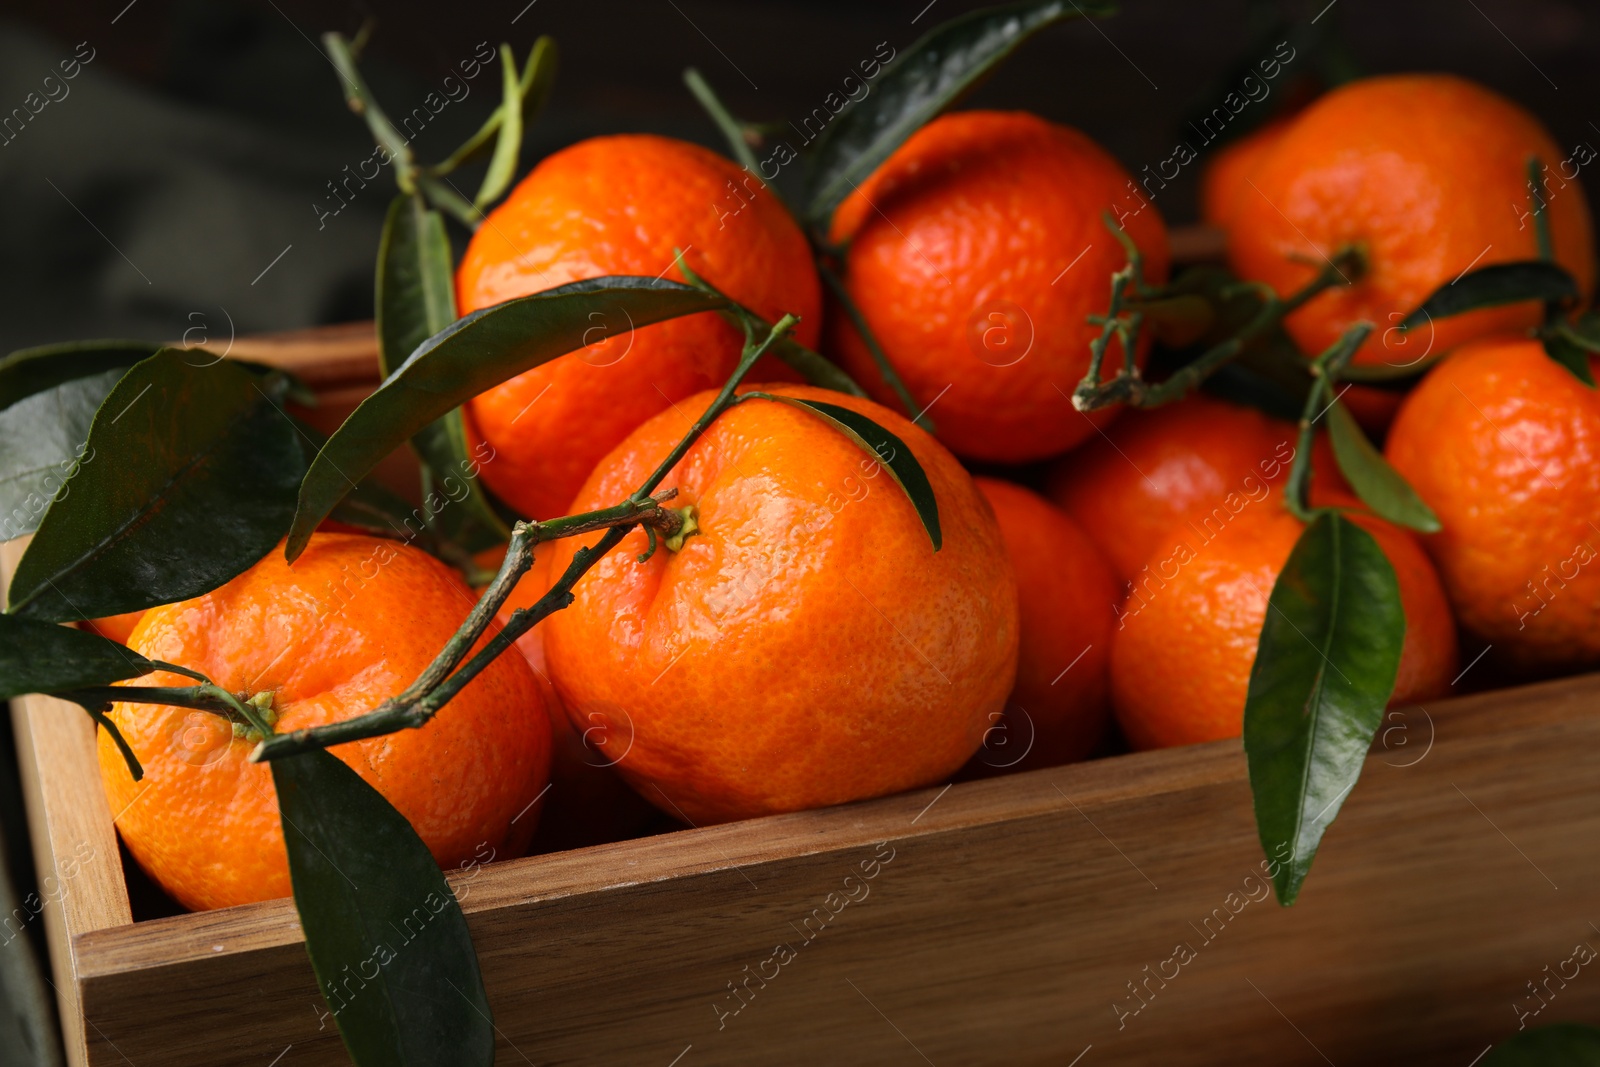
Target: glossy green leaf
(1494, 286)
(35, 370)
(415, 299)
(929, 77)
(1378, 485)
(1324, 669)
(192, 480)
(508, 144)
(1572, 352)
(475, 353)
(41, 657)
(1560, 1045)
(370, 506)
(415, 295)
(48, 397)
(43, 438)
(386, 937)
(881, 445)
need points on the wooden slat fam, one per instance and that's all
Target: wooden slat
(1008, 923)
(323, 357)
(74, 841)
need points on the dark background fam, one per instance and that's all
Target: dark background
(171, 192)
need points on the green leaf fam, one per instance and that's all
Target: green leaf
(1560, 1045)
(1493, 286)
(192, 480)
(415, 299)
(882, 445)
(386, 937)
(41, 657)
(1324, 670)
(415, 295)
(1378, 485)
(35, 370)
(1572, 352)
(508, 146)
(473, 354)
(43, 438)
(930, 77)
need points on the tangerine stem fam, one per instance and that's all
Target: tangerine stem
(1324, 372)
(361, 101)
(1128, 387)
(517, 561)
(868, 338)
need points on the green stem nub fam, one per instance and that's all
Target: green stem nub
(690, 526)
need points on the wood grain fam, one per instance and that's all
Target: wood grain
(74, 842)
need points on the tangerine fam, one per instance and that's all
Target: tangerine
(1059, 707)
(622, 205)
(1186, 639)
(351, 623)
(1503, 443)
(1427, 174)
(976, 253)
(807, 646)
(1201, 459)
(1226, 177)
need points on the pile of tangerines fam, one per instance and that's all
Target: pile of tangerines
(1103, 578)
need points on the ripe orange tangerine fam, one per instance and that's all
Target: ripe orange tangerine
(623, 205)
(352, 622)
(807, 646)
(976, 253)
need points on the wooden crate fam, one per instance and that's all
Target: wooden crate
(1033, 919)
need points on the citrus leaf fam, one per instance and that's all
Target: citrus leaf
(41, 657)
(415, 299)
(1493, 286)
(43, 438)
(1324, 669)
(508, 145)
(369, 506)
(192, 480)
(475, 353)
(930, 77)
(1563, 1044)
(375, 907)
(882, 445)
(48, 397)
(415, 296)
(1378, 485)
(1572, 353)
(35, 370)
